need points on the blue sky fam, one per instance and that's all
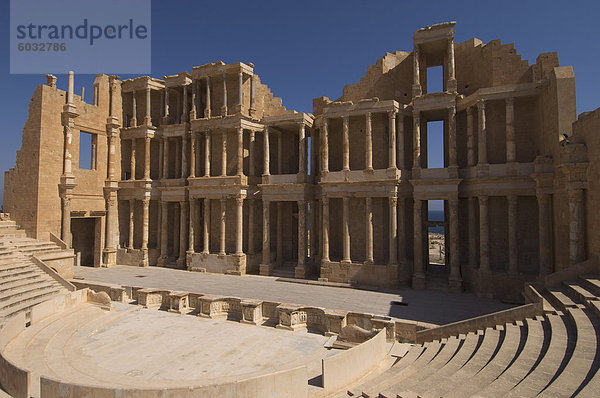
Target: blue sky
(307, 49)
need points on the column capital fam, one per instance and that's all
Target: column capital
(239, 200)
(481, 104)
(483, 200)
(469, 110)
(510, 101)
(512, 199)
(392, 114)
(416, 115)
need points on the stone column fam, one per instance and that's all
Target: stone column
(161, 156)
(313, 152)
(66, 221)
(346, 143)
(183, 218)
(132, 157)
(133, 122)
(416, 89)
(392, 140)
(393, 238)
(472, 232)
(454, 279)
(205, 226)
(512, 235)
(192, 154)
(207, 109)
(240, 89)
(416, 140)
(279, 232)
(147, 158)
(207, 154)
(239, 230)
(194, 94)
(418, 263)
(222, 229)
(576, 226)
(451, 85)
(183, 156)
(511, 150)
(165, 159)
(192, 226)
(251, 205)
(325, 147)
(163, 229)
(266, 241)
(131, 222)
(223, 153)
(266, 157)
(482, 132)
(240, 151)
(301, 149)
(401, 230)
(325, 236)
(301, 233)
(346, 230)
(166, 110)
(148, 117)
(224, 107)
(400, 142)
(251, 153)
(313, 229)
(145, 230)
(369, 230)
(252, 95)
(470, 138)
(484, 235)
(452, 161)
(368, 144)
(279, 153)
(545, 228)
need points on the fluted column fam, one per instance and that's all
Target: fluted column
(418, 263)
(400, 142)
(183, 218)
(192, 154)
(131, 222)
(192, 226)
(511, 150)
(183, 156)
(266, 241)
(512, 235)
(325, 236)
(266, 155)
(163, 229)
(545, 228)
(346, 143)
(147, 158)
(392, 140)
(240, 151)
(369, 230)
(224, 107)
(165, 158)
(416, 140)
(301, 233)
(576, 226)
(145, 230)
(222, 229)
(484, 235)
(454, 277)
(207, 108)
(368, 144)
(472, 232)
(325, 146)
(301, 149)
(452, 161)
(393, 236)
(482, 131)
(132, 158)
(133, 122)
(239, 230)
(279, 232)
(223, 153)
(206, 226)
(346, 230)
(207, 154)
(470, 138)
(148, 117)
(251, 205)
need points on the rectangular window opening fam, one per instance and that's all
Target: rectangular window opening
(88, 144)
(435, 144)
(436, 233)
(435, 79)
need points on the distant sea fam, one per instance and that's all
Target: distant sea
(436, 215)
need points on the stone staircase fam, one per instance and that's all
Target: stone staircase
(554, 355)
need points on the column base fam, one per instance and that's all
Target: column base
(418, 282)
(162, 260)
(451, 85)
(147, 121)
(192, 114)
(236, 109)
(455, 285)
(164, 120)
(144, 262)
(300, 272)
(188, 259)
(206, 113)
(252, 112)
(416, 90)
(181, 262)
(265, 269)
(109, 257)
(223, 111)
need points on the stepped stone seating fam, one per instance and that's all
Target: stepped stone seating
(554, 355)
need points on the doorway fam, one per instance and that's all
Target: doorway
(84, 239)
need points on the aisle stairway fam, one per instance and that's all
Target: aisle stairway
(554, 355)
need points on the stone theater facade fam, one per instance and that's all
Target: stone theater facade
(208, 171)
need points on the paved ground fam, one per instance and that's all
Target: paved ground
(425, 306)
